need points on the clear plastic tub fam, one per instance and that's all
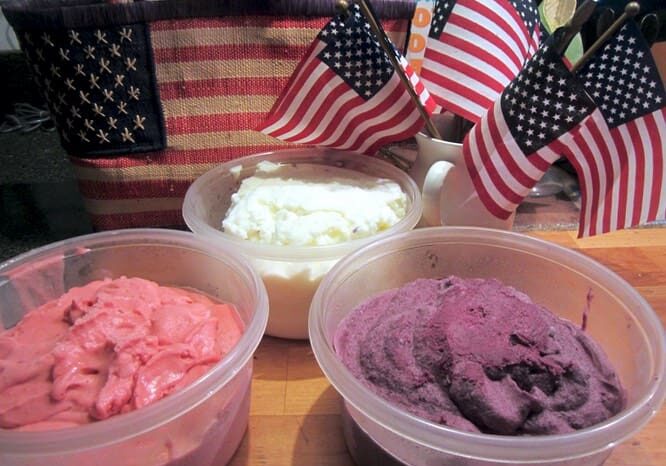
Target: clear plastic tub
(202, 424)
(291, 273)
(619, 319)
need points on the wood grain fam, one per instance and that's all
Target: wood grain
(294, 416)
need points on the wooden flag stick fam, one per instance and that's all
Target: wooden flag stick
(630, 11)
(388, 48)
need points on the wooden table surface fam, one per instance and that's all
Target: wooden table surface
(294, 416)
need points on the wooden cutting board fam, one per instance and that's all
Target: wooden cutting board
(294, 416)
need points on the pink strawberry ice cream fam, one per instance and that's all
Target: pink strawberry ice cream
(479, 356)
(106, 348)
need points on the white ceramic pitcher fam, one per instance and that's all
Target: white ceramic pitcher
(449, 197)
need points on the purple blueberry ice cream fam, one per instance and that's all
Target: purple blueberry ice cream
(479, 356)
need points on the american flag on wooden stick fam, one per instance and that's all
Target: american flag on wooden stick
(474, 49)
(620, 156)
(345, 93)
(531, 125)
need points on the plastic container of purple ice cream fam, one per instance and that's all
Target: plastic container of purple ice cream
(572, 286)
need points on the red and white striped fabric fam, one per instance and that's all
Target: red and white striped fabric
(217, 80)
(474, 49)
(345, 94)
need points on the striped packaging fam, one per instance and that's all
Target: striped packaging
(217, 72)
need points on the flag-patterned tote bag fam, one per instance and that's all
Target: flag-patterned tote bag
(147, 95)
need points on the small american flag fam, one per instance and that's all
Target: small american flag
(530, 126)
(345, 93)
(475, 48)
(621, 150)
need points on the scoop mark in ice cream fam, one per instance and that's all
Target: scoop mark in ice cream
(479, 356)
(106, 348)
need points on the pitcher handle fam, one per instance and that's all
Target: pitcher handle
(432, 192)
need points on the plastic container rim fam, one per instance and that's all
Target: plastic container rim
(128, 425)
(302, 253)
(499, 448)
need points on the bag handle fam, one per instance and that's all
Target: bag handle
(53, 15)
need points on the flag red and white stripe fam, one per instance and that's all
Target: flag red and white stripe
(622, 172)
(472, 55)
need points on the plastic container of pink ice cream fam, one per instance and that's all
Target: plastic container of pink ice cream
(205, 419)
(567, 283)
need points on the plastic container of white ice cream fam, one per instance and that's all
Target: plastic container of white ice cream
(292, 272)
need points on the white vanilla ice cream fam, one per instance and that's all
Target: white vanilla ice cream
(307, 205)
(312, 205)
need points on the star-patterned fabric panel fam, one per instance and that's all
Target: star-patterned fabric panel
(100, 87)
